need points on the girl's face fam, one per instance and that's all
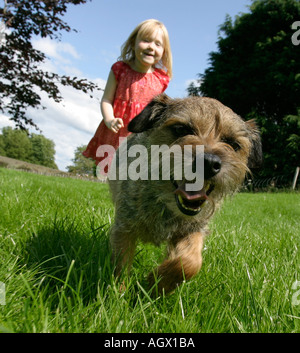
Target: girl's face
(148, 50)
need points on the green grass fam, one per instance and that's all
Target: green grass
(55, 264)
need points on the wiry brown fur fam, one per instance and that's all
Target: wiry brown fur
(147, 210)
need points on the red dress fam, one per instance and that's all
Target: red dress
(134, 91)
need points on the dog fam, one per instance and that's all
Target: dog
(163, 210)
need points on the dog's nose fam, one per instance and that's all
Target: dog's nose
(212, 165)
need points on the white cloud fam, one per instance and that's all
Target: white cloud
(61, 56)
(71, 71)
(70, 123)
(73, 121)
(188, 82)
(4, 121)
(54, 49)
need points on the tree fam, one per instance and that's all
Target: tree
(294, 138)
(16, 144)
(82, 165)
(34, 148)
(2, 147)
(21, 77)
(256, 71)
(43, 151)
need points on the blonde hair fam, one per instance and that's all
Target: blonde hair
(147, 28)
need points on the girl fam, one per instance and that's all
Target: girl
(144, 71)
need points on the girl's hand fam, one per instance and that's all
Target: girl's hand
(115, 125)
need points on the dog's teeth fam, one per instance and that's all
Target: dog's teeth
(185, 207)
(207, 186)
(181, 201)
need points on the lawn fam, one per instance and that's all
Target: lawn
(55, 265)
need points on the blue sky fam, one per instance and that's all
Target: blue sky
(193, 25)
(103, 26)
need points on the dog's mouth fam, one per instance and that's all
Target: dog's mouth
(191, 202)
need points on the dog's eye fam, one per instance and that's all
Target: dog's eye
(232, 143)
(180, 130)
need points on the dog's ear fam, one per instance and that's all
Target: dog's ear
(255, 159)
(151, 114)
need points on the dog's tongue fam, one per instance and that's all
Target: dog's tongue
(190, 195)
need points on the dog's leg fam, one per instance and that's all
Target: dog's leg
(123, 248)
(183, 262)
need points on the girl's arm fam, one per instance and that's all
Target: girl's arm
(114, 124)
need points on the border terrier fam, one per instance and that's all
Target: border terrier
(163, 210)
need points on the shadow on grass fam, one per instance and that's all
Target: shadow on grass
(70, 257)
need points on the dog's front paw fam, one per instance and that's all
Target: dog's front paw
(166, 277)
